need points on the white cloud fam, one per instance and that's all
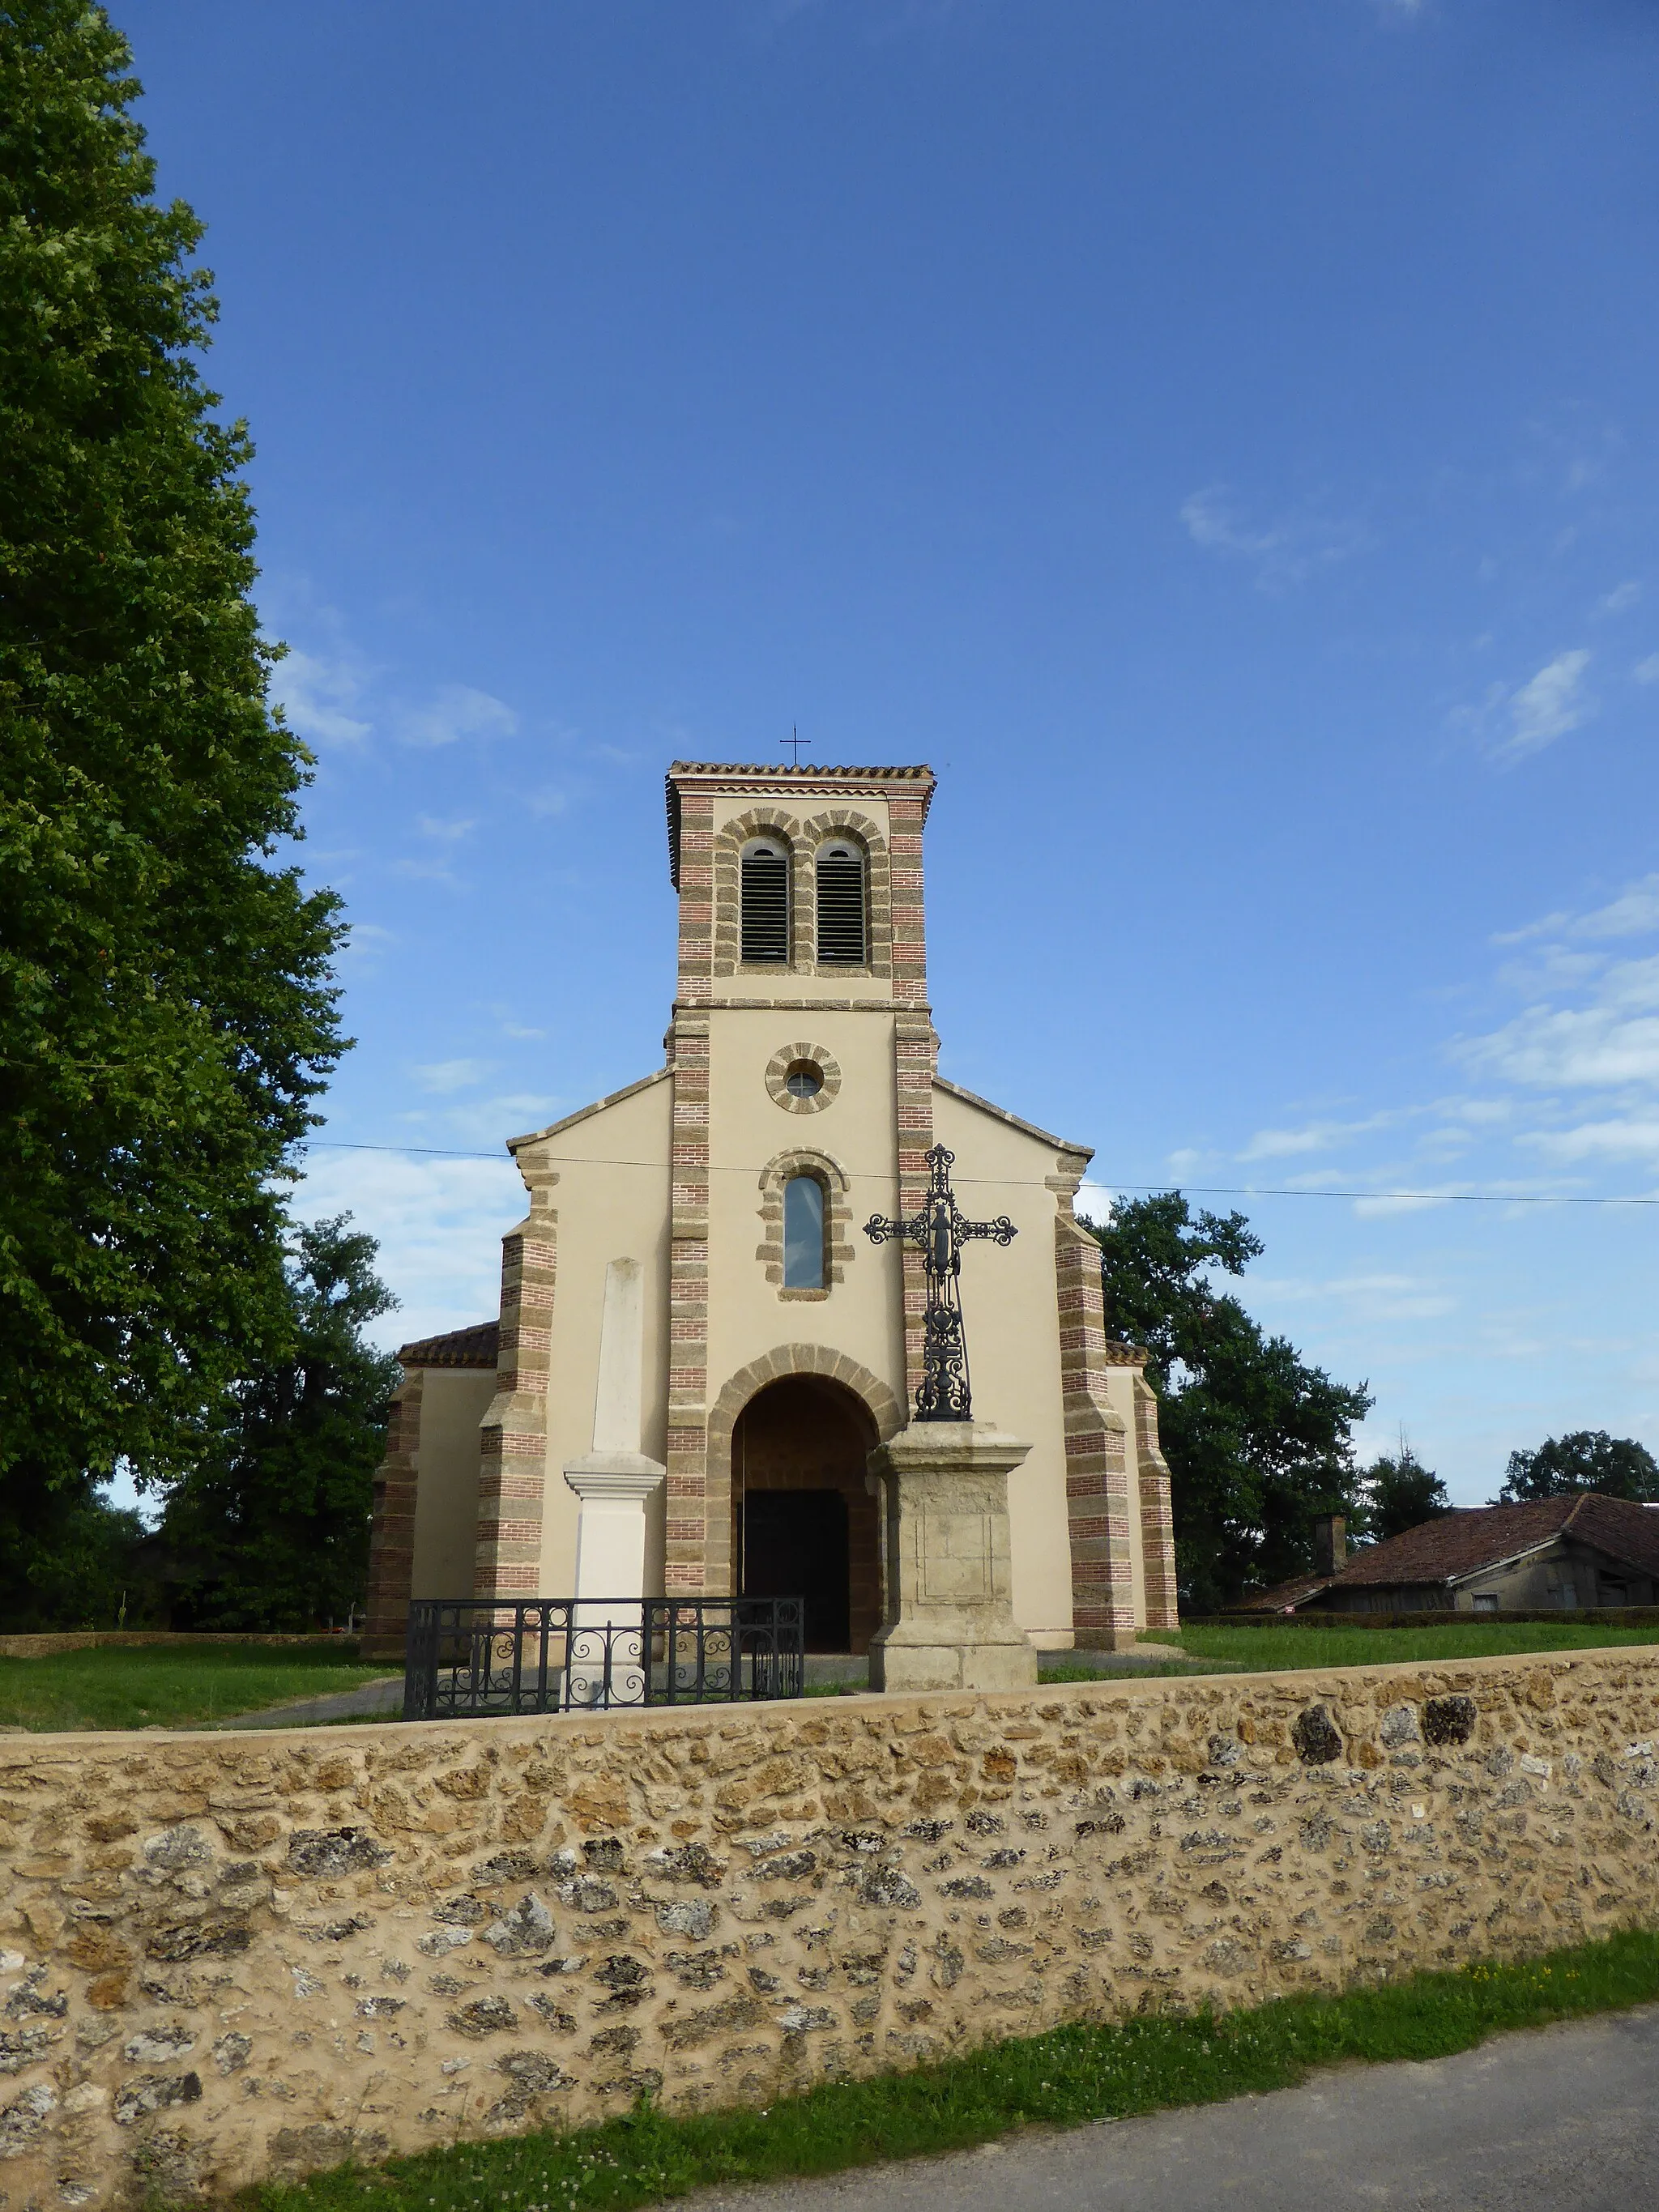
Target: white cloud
(1185, 1161)
(1385, 1202)
(437, 1223)
(514, 1113)
(1634, 1139)
(1647, 671)
(426, 871)
(366, 941)
(513, 1030)
(438, 870)
(1212, 524)
(1620, 599)
(1284, 551)
(317, 694)
(1312, 1137)
(446, 1075)
(457, 711)
(1546, 707)
(1634, 913)
(1612, 1041)
(1369, 1296)
(1094, 1200)
(1549, 925)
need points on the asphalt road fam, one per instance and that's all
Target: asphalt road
(1562, 2119)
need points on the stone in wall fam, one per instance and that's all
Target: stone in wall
(227, 1956)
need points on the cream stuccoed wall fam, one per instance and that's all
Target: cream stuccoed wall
(862, 1315)
(611, 1203)
(1012, 1327)
(453, 1401)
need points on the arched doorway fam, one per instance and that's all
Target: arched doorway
(803, 1523)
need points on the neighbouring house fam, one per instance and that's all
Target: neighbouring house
(693, 1287)
(1581, 1549)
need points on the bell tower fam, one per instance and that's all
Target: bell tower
(801, 1051)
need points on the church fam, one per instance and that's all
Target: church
(693, 1287)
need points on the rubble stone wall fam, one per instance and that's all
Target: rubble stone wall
(232, 1955)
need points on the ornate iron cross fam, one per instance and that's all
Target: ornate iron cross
(941, 1231)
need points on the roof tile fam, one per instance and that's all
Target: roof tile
(477, 1346)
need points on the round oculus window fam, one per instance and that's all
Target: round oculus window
(804, 1078)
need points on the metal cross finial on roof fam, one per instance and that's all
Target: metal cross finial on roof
(941, 1231)
(795, 740)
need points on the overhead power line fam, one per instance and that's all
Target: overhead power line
(1111, 1183)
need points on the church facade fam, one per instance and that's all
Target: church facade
(700, 1236)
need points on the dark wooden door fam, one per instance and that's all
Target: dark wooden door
(795, 1545)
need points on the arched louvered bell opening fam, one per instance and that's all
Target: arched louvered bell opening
(765, 904)
(841, 929)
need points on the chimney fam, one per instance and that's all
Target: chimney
(1330, 1534)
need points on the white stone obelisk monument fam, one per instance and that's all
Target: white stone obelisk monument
(613, 1482)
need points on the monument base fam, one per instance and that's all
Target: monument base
(608, 1659)
(949, 1625)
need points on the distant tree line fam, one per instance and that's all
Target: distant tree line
(1259, 1443)
(1588, 1459)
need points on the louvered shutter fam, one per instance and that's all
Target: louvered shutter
(765, 905)
(840, 905)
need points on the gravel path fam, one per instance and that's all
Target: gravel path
(383, 1697)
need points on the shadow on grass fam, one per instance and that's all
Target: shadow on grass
(1067, 2078)
(164, 1686)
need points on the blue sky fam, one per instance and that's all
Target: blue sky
(1221, 436)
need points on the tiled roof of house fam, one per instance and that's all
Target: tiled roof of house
(476, 1347)
(1454, 1545)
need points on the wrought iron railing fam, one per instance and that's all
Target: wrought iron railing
(474, 1656)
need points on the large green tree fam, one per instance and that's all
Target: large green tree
(166, 1011)
(1585, 1459)
(1259, 1442)
(270, 1528)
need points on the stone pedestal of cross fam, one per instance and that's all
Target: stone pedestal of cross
(947, 1623)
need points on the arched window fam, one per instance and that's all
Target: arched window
(803, 1233)
(766, 902)
(842, 925)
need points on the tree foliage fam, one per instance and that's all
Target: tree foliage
(166, 1011)
(71, 1560)
(1258, 1442)
(1585, 1459)
(270, 1528)
(1399, 1492)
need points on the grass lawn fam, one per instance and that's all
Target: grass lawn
(1264, 1651)
(163, 1686)
(1064, 2079)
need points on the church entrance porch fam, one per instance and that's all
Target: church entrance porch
(804, 1522)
